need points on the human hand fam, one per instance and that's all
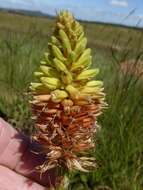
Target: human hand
(17, 162)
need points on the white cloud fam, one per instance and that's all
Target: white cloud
(119, 3)
(140, 16)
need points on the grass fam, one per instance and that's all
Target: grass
(119, 150)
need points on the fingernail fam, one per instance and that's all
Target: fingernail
(1, 125)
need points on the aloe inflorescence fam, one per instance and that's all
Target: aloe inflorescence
(67, 99)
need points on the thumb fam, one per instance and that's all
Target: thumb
(11, 180)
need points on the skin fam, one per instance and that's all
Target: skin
(18, 162)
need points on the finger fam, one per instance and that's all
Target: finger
(16, 154)
(10, 180)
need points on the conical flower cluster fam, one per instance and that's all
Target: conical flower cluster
(66, 98)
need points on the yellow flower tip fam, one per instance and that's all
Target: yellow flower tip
(50, 83)
(58, 95)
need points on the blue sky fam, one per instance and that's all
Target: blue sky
(115, 11)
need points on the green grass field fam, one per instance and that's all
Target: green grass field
(118, 52)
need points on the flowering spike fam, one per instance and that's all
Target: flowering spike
(66, 101)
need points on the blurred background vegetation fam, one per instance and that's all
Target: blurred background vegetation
(118, 52)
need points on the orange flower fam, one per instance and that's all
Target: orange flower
(66, 100)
